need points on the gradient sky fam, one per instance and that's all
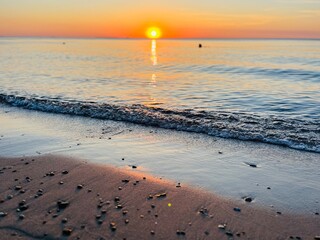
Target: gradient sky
(176, 18)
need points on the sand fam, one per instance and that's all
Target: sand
(103, 202)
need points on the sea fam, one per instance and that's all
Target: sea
(252, 90)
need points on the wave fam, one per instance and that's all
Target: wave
(293, 133)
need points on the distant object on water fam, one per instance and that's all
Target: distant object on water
(200, 45)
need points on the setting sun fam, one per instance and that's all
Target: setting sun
(153, 32)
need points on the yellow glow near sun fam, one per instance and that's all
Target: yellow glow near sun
(153, 32)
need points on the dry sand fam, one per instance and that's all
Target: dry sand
(101, 202)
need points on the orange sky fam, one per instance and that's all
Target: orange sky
(177, 19)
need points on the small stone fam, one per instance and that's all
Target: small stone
(316, 213)
(119, 206)
(134, 166)
(50, 174)
(125, 180)
(124, 212)
(21, 216)
(22, 191)
(153, 206)
(268, 188)
(152, 232)
(119, 188)
(9, 196)
(117, 199)
(236, 209)
(179, 232)
(141, 216)
(150, 197)
(3, 214)
(113, 226)
(178, 185)
(220, 152)
(100, 221)
(65, 172)
(126, 221)
(98, 216)
(67, 231)
(317, 238)
(44, 222)
(18, 187)
(80, 186)
(24, 207)
(248, 199)
(103, 211)
(62, 204)
(222, 226)
(61, 182)
(23, 202)
(228, 233)
(279, 212)
(161, 195)
(144, 178)
(64, 220)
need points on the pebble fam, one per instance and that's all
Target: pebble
(113, 226)
(152, 232)
(80, 186)
(161, 195)
(317, 238)
(50, 174)
(228, 233)
(141, 216)
(22, 216)
(153, 206)
(9, 196)
(179, 232)
(124, 212)
(119, 188)
(67, 231)
(279, 213)
(150, 197)
(24, 207)
(125, 180)
(119, 206)
(103, 211)
(126, 221)
(248, 199)
(134, 166)
(222, 226)
(65, 172)
(117, 199)
(64, 220)
(236, 209)
(17, 187)
(61, 182)
(62, 204)
(3, 214)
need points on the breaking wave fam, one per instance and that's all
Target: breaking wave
(293, 133)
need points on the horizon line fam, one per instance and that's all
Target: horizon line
(187, 38)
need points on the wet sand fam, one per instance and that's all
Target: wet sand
(54, 197)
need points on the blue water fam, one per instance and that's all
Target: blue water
(261, 90)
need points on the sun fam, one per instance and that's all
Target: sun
(153, 32)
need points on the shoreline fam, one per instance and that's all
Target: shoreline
(155, 209)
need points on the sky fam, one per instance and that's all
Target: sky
(175, 18)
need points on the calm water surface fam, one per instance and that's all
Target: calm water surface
(265, 90)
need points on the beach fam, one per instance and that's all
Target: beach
(159, 139)
(52, 197)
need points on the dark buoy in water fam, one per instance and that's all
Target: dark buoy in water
(200, 45)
